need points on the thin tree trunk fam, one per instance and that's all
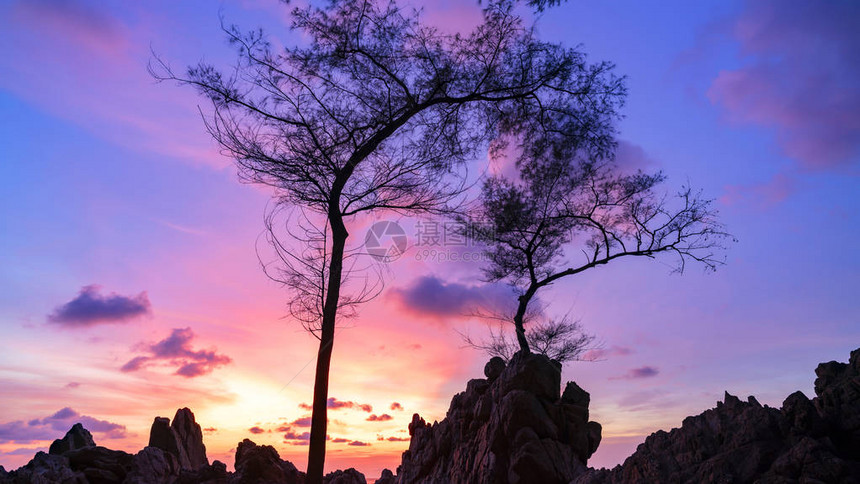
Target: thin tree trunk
(319, 419)
(519, 324)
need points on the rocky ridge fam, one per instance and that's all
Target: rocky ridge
(804, 441)
(175, 455)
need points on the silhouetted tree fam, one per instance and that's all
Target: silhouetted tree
(562, 340)
(376, 112)
(565, 198)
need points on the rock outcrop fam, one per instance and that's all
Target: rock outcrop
(76, 438)
(814, 441)
(349, 476)
(175, 455)
(183, 439)
(515, 426)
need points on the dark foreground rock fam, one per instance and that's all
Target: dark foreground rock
(175, 455)
(805, 441)
(515, 426)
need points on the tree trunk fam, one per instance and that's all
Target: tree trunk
(519, 324)
(319, 419)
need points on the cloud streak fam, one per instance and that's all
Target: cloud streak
(638, 373)
(90, 307)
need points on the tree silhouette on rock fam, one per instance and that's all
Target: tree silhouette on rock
(380, 112)
(571, 208)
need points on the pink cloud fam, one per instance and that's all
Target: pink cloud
(175, 350)
(799, 78)
(762, 195)
(604, 353)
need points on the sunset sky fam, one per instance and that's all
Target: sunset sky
(130, 282)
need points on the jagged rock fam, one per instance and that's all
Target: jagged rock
(99, 464)
(815, 441)
(153, 465)
(208, 474)
(190, 437)
(514, 428)
(183, 439)
(494, 368)
(261, 464)
(349, 476)
(387, 477)
(76, 438)
(47, 469)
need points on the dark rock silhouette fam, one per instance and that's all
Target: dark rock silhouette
(76, 438)
(349, 476)
(175, 455)
(516, 427)
(814, 441)
(513, 427)
(262, 464)
(387, 477)
(183, 439)
(190, 437)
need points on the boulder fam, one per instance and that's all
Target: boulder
(387, 477)
(494, 368)
(153, 465)
(261, 464)
(348, 476)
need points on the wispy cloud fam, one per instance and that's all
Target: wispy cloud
(335, 404)
(604, 353)
(638, 373)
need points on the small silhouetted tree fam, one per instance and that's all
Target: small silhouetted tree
(562, 340)
(376, 112)
(571, 210)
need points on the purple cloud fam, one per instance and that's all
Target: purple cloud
(379, 418)
(335, 404)
(256, 430)
(90, 307)
(55, 426)
(637, 373)
(357, 443)
(302, 422)
(398, 439)
(340, 440)
(396, 406)
(432, 297)
(175, 350)
(292, 435)
(799, 77)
